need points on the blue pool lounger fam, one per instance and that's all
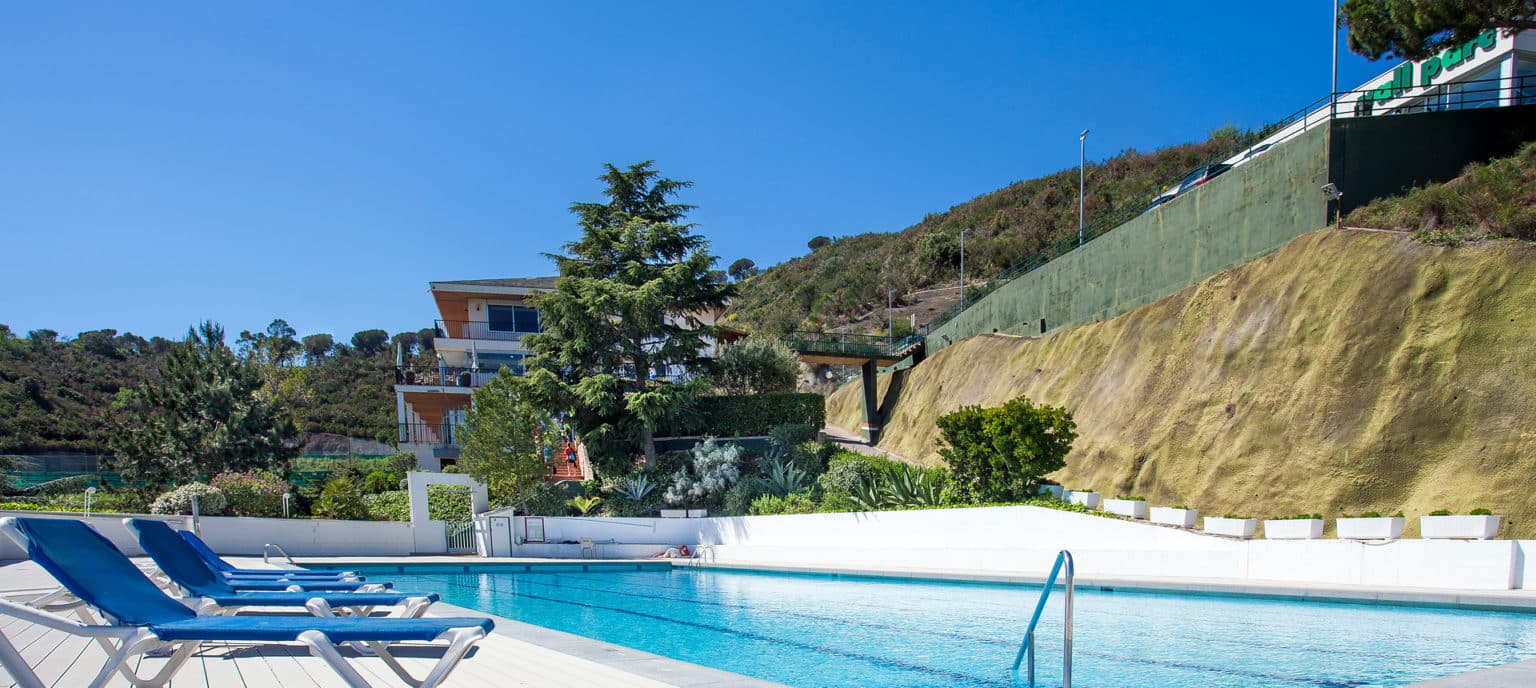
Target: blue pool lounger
(213, 560)
(142, 619)
(179, 562)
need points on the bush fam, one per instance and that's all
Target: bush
(738, 499)
(254, 493)
(756, 365)
(545, 499)
(210, 500)
(715, 468)
(1000, 454)
(1440, 512)
(770, 505)
(393, 505)
(1481, 512)
(381, 481)
(757, 414)
(789, 435)
(341, 499)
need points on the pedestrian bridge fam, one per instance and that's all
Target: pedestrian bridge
(869, 352)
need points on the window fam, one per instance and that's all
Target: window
(491, 363)
(512, 318)
(1525, 81)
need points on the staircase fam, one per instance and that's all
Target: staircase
(562, 469)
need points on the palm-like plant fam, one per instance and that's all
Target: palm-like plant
(585, 504)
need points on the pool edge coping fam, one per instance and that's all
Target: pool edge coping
(1471, 600)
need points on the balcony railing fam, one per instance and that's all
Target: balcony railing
(477, 329)
(443, 435)
(443, 376)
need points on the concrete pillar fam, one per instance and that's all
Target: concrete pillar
(871, 427)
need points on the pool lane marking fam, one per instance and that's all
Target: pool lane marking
(875, 659)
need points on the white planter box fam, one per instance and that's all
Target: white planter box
(1375, 528)
(1052, 490)
(1293, 529)
(674, 513)
(1458, 527)
(1131, 508)
(698, 513)
(1088, 499)
(1231, 527)
(1169, 516)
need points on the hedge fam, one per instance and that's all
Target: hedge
(751, 414)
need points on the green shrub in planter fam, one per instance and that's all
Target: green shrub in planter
(210, 500)
(254, 493)
(769, 505)
(1481, 512)
(1440, 512)
(341, 499)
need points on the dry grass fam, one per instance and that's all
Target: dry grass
(1350, 371)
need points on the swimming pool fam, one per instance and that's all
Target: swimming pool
(815, 630)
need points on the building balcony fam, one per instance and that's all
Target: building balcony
(437, 436)
(481, 330)
(443, 376)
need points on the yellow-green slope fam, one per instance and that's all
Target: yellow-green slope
(1349, 371)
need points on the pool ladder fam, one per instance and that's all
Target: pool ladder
(1027, 648)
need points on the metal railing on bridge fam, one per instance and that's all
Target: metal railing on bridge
(843, 343)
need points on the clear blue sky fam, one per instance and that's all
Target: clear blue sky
(166, 162)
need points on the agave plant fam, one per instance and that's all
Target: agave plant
(868, 495)
(784, 479)
(912, 486)
(635, 487)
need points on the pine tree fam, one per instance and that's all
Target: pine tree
(624, 310)
(505, 437)
(205, 413)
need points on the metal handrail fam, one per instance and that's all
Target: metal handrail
(1027, 647)
(265, 549)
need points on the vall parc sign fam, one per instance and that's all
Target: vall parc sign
(1413, 78)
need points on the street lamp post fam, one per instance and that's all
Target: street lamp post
(1082, 149)
(1333, 94)
(963, 232)
(890, 317)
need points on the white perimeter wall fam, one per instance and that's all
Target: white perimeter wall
(1025, 540)
(299, 537)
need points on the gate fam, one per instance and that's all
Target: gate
(451, 503)
(461, 536)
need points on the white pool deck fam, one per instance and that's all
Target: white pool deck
(514, 654)
(519, 654)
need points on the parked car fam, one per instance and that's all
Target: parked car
(1201, 175)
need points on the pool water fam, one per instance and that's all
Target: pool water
(814, 631)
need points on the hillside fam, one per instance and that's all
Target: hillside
(1349, 371)
(55, 393)
(840, 283)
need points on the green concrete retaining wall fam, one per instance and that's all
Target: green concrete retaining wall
(1248, 212)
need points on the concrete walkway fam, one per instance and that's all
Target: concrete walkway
(842, 438)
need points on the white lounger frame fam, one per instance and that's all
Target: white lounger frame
(134, 641)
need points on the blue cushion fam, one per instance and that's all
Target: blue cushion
(91, 568)
(288, 628)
